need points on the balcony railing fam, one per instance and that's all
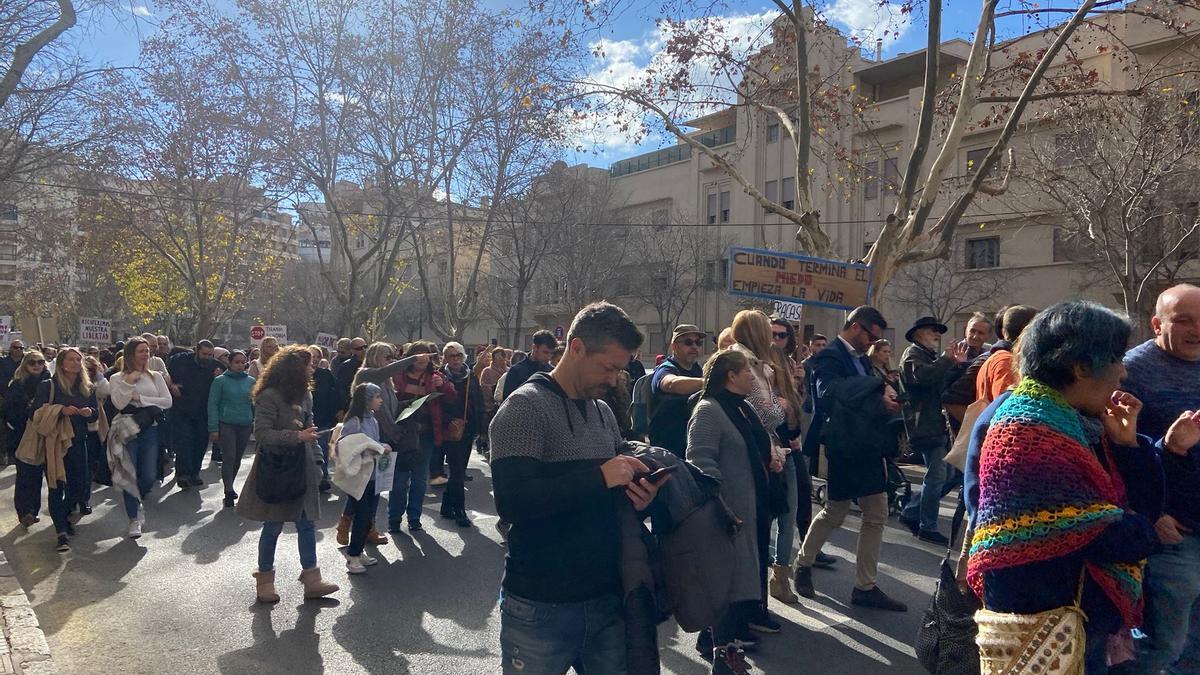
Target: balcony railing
(673, 154)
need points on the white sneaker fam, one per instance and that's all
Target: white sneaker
(367, 560)
(141, 516)
(135, 528)
(354, 565)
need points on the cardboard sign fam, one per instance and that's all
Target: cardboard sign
(96, 331)
(6, 324)
(257, 333)
(771, 275)
(326, 340)
(789, 311)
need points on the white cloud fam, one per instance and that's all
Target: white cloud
(140, 10)
(626, 63)
(868, 19)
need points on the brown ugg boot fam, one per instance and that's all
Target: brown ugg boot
(374, 538)
(266, 586)
(314, 585)
(343, 531)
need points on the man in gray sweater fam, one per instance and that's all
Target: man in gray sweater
(557, 479)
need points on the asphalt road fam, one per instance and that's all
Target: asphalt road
(181, 598)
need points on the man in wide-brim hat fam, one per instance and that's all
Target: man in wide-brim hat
(925, 376)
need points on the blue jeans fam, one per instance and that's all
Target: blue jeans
(306, 541)
(143, 451)
(1172, 591)
(541, 638)
(408, 487)
(925, 501)
(785, 525)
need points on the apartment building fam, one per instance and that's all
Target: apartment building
(1016, 236)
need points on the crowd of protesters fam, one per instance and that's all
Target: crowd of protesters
(1077, 484)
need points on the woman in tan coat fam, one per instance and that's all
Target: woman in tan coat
(283, 424)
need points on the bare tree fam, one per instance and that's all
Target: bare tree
(179, 168)
(1119, 179)
(670, 265)
(706, 65)
(943, 289)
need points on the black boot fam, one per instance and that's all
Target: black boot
(704, 644)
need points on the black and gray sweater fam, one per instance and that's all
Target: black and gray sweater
(564, 545)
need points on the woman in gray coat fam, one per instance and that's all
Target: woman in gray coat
(283, 423)
(727, 441)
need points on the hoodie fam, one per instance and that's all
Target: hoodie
(547, 449)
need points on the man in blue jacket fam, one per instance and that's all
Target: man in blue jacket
(857, 413)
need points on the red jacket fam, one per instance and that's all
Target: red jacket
(430, 383)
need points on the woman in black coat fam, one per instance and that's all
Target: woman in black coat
(18, 402)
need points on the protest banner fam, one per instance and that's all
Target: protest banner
(787, 277)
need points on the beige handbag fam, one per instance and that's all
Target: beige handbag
(1046, 643)
(957, 457)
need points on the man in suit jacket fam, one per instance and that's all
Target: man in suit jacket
(857, 411)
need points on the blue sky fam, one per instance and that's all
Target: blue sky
(632, 40)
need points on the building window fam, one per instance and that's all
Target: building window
(8, 251)
(1073, 148)
(772, 133)
(871, 181)
(789, 193)
(983, 253)
(975, 160)
(725, 207)
(8, 211)
(711, 213)
(772, 194)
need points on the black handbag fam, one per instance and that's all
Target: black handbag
(282, 473)
(946, 640)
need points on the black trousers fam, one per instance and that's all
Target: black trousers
(27, 493)
(804, 486)
(69, 493)
(458, 455)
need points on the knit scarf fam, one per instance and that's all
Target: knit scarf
(1044, 495)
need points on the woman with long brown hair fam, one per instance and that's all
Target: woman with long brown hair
(135, 387)
(775, 400)
(267, 349)
(283, 427)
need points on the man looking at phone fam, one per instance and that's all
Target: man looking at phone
(558, 480)
(675, 379)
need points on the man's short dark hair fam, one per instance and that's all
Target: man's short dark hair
(204, 344)
(1069, 334)
(866, 316)
(998, 320)
(544, 338)
(1016, 318)
(601, 323)
(817, 336)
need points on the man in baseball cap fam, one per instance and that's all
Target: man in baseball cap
(675, 379)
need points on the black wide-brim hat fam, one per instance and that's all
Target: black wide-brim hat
(925, 322)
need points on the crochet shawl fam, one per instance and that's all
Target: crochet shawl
(1044, 495)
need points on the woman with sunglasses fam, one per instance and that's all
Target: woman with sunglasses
(18, 408)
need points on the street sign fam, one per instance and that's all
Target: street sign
(789, 311)
(771, 275)
(257, 333)
(95, 331)
(560, 332)
(6, 330)
(326, 340)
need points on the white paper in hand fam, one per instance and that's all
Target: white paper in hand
(385, 470)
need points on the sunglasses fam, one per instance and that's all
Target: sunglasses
(692, 343)
(779, 336)
(358, 349)
(41, 362)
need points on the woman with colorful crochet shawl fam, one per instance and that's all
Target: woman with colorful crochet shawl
(1067, 489)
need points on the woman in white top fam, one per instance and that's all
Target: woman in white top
(138, 386)
(269, 348)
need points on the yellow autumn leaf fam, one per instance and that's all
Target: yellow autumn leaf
(527, 102)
